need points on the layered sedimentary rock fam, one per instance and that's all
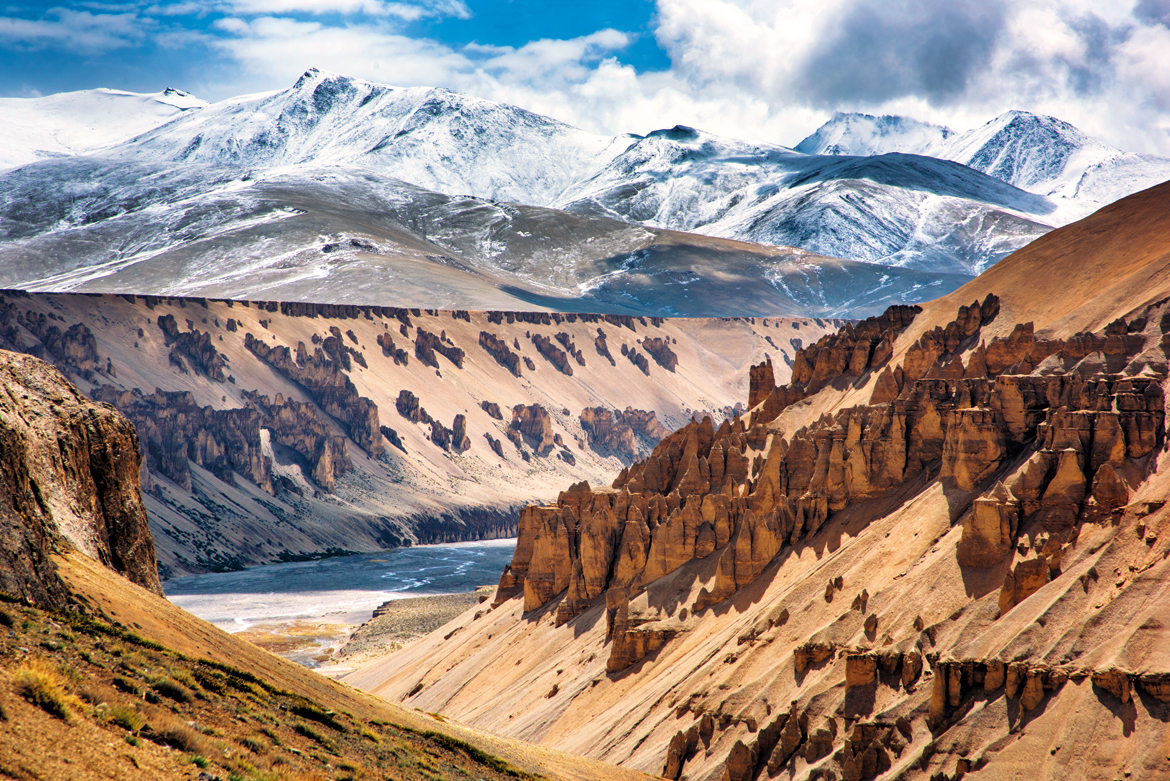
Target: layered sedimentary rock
(553, 354)
(498, 349)
(205, 440)
(177, 432)
(195, 345)
(532, 424)
(427, 344)
(297, 425)
(659, 349)
(623, 434)
(1030, 438)
(69, 472)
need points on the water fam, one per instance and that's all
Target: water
(343, 590)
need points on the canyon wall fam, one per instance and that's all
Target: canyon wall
(856, 578)
(274, 431)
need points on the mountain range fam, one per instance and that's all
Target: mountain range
(420, 191)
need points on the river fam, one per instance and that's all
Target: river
(327, 598)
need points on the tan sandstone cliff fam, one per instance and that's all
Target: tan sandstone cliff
(940, 551)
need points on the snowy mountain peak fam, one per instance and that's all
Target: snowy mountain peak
(180, 99)
(75, 123)
(865, 134)
(1021, 148)
(310, 75)
(430, 137)
(680, 133)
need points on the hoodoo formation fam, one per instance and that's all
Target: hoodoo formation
(282, 430)
(939, 551)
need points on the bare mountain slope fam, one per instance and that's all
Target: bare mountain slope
(940, 551)
(317, 233)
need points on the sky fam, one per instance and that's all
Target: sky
(762, 70)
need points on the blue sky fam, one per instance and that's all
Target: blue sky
(55, 47)
(768, 70)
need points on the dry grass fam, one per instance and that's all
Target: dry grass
(178, 735)
(127, 717)
(42, 683)
(227, 722)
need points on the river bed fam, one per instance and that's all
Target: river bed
(306, 610)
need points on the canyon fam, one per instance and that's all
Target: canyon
(938, 550)
(103, 677)
(275, 431)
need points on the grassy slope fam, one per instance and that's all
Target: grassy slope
(242, 714)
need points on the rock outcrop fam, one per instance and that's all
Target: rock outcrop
(427, 344)
(533, 424)
(961, 514)
(296, 424)
(627, 435)
(195, 345)
(70, 474)
(329, 386)
(177, 432)
(1029, 437)
(553, 354)
(659, 349)
(498, 349)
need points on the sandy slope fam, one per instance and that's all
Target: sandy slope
(731, 670)
(156, 619)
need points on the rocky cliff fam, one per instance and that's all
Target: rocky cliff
(69, 470)
(939, 551)
(350, 428)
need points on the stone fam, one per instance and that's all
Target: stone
(1115, 682)
(1024, 580)
(995, 675)
(741, 763)
(69, 479)
(860, 670)
(1033, 693)
(761, 383)
(987, 535)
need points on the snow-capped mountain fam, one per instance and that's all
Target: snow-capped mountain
(1034, 152)
(882, 211)
(76, 123)
(1047, 156)
(432, 138)
(896, 210)
(247, 194)
(865, 134)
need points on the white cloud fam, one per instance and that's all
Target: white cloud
(765, 70)
(76, 30)
(375, 8)
(960, 63)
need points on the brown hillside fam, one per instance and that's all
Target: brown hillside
(939, 552)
